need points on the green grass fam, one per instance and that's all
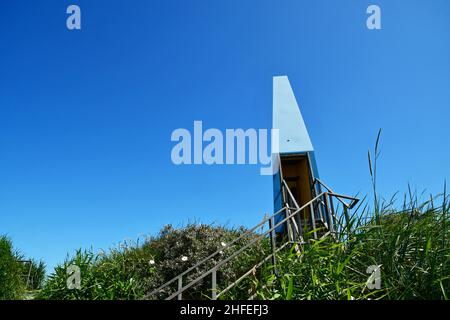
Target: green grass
(409, 242)
(412, 247)
(17, 278)
(11, 282)
(133, 270)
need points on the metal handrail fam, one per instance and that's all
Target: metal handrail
(290, 194)
(221, 263)
(322, 198)
(250, 271)
(339, 196)
(218, 265)
(29, 270)
(228, 245)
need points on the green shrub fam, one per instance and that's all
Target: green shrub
(133, 270)
(412, 247)
(11, 277)
(93, 283)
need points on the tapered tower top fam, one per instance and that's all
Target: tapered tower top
(294, 137)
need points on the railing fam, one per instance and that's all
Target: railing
(347, 206)
(28, 276)
(322, 204)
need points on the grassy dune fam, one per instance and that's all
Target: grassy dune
(411, 246)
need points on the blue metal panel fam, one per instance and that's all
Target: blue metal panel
(278, 201)
(294, 137)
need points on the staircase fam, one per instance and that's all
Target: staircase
(314, 219)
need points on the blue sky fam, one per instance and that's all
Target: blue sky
(86, 116)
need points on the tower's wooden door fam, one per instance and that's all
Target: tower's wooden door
(296, 172)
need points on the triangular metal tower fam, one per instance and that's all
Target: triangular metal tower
(297, 164)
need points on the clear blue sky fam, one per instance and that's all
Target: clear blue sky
(86, 116)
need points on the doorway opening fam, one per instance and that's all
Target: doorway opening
(296, 171)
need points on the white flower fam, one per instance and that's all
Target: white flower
(151, 262)
(223, 244)
(184, 258)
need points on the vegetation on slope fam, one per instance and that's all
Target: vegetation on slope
(134, 270)
(411, 248)
(11, 284)
(18, 277)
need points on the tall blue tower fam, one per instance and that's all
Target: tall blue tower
(297, 165)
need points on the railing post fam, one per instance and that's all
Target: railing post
(320, 207)
(180, 286)
(325, 208)
(292, 230)
(313, 218)
(273, 243)
(333, 214)
(330, 216)
(347, 217)
(288, 226)
(299, 226)
(214, 284)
